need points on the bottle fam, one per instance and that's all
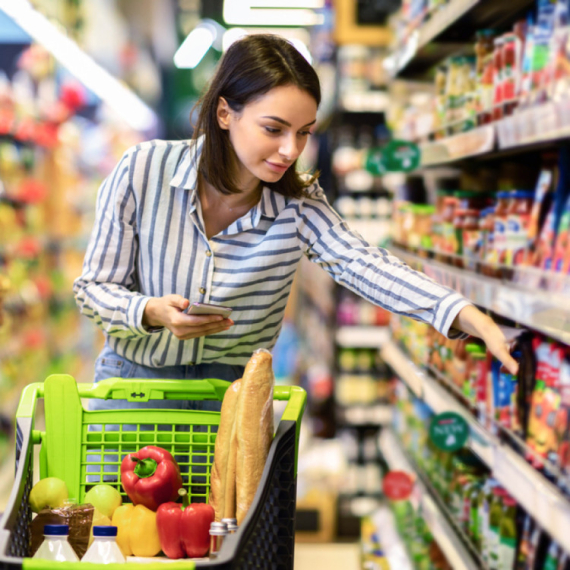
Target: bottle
(55, 546)
(495, 517)
(483, 518)
(232, 525)
(508, 535)
(104, 549)
(218, 531)
(518, 221)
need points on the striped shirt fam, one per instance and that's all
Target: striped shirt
(148, 240)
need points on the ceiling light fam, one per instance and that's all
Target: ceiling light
(194, 48)
(241, 13)
(98, 80)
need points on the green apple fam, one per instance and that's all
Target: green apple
(48, 493)
(104, 498)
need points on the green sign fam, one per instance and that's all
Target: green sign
(449, 431)
(396, 156)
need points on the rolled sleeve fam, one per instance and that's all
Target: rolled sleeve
(372, 272)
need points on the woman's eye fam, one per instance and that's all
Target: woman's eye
(272, 130)
(305, 133)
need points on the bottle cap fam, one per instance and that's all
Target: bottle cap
(228, 521)
(56, 529)
(104, 531)
(218, 529)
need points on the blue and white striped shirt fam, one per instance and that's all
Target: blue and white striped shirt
(148, 241)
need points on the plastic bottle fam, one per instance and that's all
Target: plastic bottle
(484, 517)
(508, 535)
(104, 549)
(55, 546)
(495, 517)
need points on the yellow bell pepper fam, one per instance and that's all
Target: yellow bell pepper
(137, 533)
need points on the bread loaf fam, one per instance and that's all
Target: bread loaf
(254, 428)
(219, 475)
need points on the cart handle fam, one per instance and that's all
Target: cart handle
(143, 390)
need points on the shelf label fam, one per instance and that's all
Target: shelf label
(396, 156)
(398, 485)
(449, 431)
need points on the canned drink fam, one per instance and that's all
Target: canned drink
(232, 525)
(218, 531)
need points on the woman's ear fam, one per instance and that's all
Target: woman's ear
(223, 114)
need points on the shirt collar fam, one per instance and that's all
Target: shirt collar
(186, 176)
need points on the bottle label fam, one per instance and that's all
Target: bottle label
(507, 551)
(493, 546)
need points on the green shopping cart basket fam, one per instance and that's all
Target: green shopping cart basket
(86, 447)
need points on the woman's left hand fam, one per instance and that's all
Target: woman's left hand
(472, 321)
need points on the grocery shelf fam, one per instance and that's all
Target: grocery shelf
(447, 30)
(362, 337)
(366, 415)
(477, 141)
(537, 495)
(544, 311)
(442, 530)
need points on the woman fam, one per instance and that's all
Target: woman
(225, 219)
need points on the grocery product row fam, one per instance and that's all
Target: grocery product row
(517, 429)
(486, 520)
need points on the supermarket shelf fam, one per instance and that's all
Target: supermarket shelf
(456, 147)
(366, 415)
(448, 29)
(443, 532)
(530, 488)
(362, 337)
(545, 311)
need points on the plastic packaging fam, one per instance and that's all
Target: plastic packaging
(55, 546)
(104, 549)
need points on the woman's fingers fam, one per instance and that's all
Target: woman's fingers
(188, 332)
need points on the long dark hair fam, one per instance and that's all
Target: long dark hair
(249, 69)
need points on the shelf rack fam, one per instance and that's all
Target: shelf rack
(457, 554)
(547, 312)
(537, 495)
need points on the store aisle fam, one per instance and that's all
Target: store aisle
(334, 556)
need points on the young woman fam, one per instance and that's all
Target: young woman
(225, 218)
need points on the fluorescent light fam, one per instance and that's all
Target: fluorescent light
(108, 88)
(309, 4)
(241, 13)
(194, 48)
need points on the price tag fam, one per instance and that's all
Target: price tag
(449, 431)
(398, 485)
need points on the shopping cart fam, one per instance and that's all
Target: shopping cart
(82, 447)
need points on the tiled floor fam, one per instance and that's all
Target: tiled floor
(329, 556)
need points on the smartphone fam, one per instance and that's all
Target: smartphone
(207, 309)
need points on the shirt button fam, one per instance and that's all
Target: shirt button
(202, 291)
(209, 253)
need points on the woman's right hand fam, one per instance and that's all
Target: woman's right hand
(168, 312)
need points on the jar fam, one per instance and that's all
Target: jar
(518, 221)
(471, 239)
(485, 94)
(483, 47)
(498, 78)
(458, 226)
(448, 233)
(472, 199)
(511, 71)
(500, 228)
(488, 238)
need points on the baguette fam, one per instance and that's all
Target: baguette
(254, 428)
(219, 475)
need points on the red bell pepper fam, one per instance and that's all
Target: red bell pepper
(184, 530)
(151, 477)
